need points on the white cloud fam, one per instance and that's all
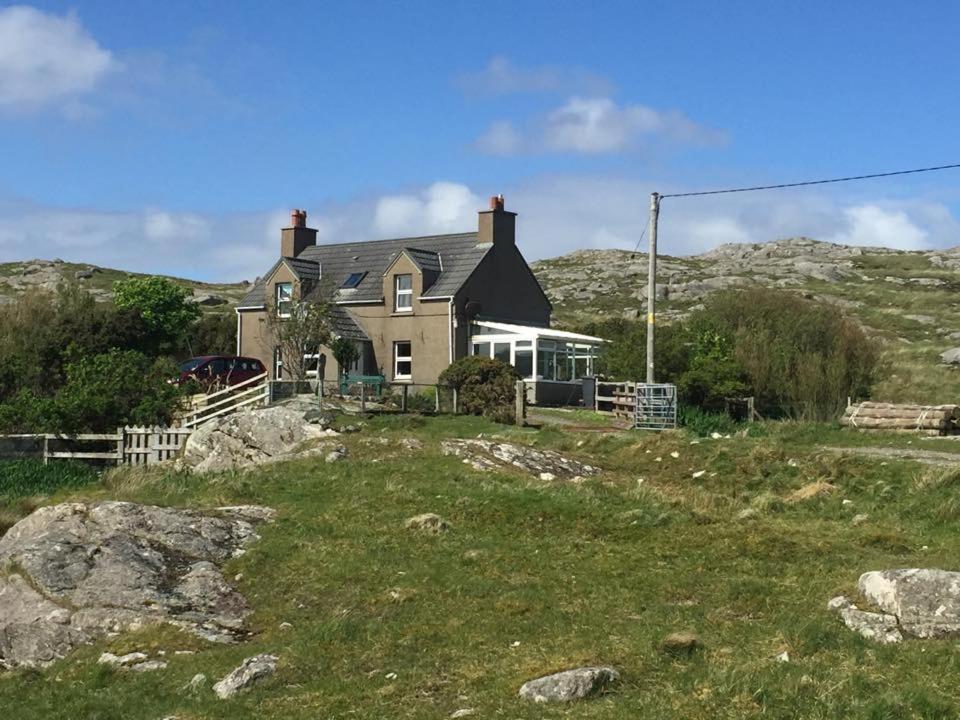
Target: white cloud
(557, 214)
(596, 125)
(47, 58)
(503, 77)
(872, 225)
(442, 207)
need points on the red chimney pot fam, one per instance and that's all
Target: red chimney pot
(496, 202)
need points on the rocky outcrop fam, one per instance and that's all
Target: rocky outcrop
(428, 523)
(250, 672)
(78, 571)
(920, 603)
(252, 437)
(490, 455)
(570, 685)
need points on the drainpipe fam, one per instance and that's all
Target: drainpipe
(239, 331)
(450, 328)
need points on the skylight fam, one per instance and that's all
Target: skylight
(353, 279)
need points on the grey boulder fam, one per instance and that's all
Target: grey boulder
(85, 570)
(926, 602)
(250, 672)
(951, 356)
(570, 685)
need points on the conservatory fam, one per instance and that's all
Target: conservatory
(551, 361)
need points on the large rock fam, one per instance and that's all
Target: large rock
(249, 438)
(951, 356)
(920, 603)
(247, 674)
(570, 685)
(926, 602)
(86, 570)
(490, 455)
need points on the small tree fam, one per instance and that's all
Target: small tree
(165, 307)
(303, 331)
(344, 352)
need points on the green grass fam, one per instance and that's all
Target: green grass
(536, 577)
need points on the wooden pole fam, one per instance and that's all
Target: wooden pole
(403, 397)
(521, 402)
(652, 282)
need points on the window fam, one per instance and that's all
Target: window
(403, 293)
(284, 297)
(402, 360)
(314, 363)
(482, 349)
(524, 363)
(546, 359)
(501, 351)
(353, 279)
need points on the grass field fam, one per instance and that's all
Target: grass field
(535, 577)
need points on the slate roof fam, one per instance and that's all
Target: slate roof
(343, 324)
(454, 257)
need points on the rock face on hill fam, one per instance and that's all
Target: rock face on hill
(489, 455)
(77, 571)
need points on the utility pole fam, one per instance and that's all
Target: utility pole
(652, 282)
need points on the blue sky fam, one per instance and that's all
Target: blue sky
(175, 137)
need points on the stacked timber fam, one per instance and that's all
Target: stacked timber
(921, 419)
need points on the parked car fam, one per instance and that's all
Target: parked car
(216, 371)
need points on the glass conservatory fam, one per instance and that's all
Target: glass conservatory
(537, 353)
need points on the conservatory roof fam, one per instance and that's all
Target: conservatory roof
(538, 332)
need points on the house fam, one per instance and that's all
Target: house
(414, 305)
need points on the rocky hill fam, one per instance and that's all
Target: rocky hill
(17, 278)
(909, 300)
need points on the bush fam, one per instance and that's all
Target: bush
(704, 424)
(797, 358)
(21, 478)
(485, 386)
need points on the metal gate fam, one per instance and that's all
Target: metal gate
(656, 406)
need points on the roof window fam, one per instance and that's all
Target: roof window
(353, 279)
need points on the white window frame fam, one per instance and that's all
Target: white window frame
(277, 363)
(405, 293)
(277, 292)
(398, 358)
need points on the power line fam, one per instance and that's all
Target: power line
(637, 246)
(811, 182)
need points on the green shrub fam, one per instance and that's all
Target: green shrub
(485, 386)
(21, 478)
(703, 423)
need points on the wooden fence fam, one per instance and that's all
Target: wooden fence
(127, 446)
(249, 392)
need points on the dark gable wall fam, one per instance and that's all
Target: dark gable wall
(506, 289)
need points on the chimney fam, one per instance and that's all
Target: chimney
(297, 237)
(496, 225)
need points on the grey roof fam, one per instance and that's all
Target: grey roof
(425, 259)
(305, 269)
(343, 324)
(457, 255)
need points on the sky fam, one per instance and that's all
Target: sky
(175, 137)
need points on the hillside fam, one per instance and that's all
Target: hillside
(907, 299)
(740, 541)
(17, 278)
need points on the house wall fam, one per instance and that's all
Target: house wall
(506, 290)
(426, 327)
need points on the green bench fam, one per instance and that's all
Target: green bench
(376, 382)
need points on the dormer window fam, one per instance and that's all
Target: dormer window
(403, 293)
(284, 298)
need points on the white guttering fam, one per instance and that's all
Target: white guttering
(450, 329)
(239, 331)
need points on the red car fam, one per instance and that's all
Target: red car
(213, 371)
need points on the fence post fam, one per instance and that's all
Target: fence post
(436, 403)
(403, 397)
(46, 449)
(456, 399)
(750, 410)
(121, 444)
(363, 396)
(520, 402)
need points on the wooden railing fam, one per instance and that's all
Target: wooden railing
(127, 446)
(248, 392)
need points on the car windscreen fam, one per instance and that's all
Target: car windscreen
(191, 364)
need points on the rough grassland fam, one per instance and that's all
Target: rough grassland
(536, 577)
